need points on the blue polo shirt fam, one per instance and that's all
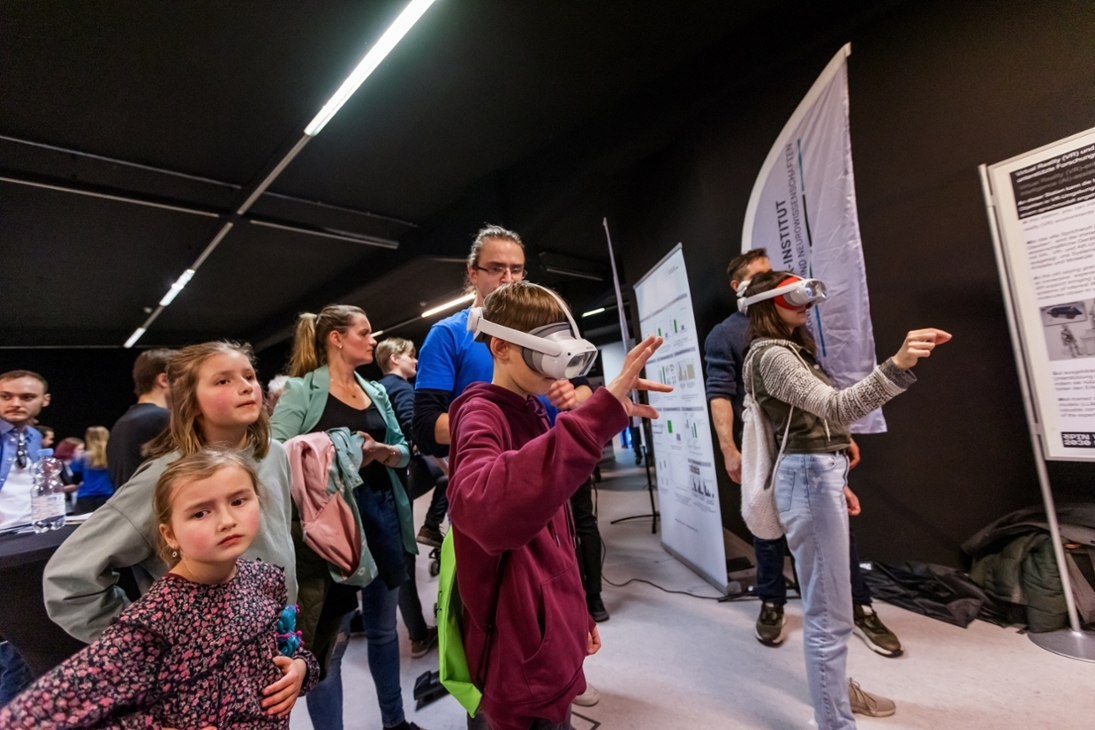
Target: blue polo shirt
(451, 359)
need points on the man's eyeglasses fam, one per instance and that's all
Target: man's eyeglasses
(516, 272)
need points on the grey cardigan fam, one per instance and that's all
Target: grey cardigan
(80, 584)
(780, 379)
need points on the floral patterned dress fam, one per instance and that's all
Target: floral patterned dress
(187, 656)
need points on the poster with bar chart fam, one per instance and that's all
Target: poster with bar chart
(683, 449)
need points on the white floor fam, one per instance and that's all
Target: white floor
(673, 661)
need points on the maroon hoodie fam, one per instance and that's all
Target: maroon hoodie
(511, 481)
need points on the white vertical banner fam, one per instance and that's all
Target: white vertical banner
(688, 494)
(803, 211)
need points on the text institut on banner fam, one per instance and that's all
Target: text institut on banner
(803, 211)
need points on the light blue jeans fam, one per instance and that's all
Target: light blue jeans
(810, 499)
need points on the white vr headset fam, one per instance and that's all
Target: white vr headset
(555, 350)
(792, 293)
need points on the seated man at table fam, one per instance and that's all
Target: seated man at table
(23, 395)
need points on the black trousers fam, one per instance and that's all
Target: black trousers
(589, 538)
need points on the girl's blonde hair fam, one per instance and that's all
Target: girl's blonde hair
(95, 439)
(199, 465)
(522, 306)
(310, 339)
(182, 433)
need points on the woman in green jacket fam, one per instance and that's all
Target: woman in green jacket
(325, 392)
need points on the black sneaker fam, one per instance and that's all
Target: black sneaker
(596, 607)
(770, 624)
(869, 627)
(430, 536)
(421, 648)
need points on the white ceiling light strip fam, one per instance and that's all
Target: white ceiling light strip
(177, 287)
(448, 305)
(372, 59)
(368, 64)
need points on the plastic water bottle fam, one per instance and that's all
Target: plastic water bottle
(47, 503)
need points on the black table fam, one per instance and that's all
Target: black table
(23, 618)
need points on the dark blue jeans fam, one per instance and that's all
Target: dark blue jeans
(771, 588)
(378, 603)
(15, 676)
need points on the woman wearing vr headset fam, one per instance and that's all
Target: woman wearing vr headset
(810, 420)
(511, 480)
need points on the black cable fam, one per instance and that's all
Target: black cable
(604, 554)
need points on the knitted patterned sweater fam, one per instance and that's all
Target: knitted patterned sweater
(779, 378)
(186, 655)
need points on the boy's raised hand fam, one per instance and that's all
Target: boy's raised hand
(629, 380)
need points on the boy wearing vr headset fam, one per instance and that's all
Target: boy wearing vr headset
(724, 352)
(526, 629)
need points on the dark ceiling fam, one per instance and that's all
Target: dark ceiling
(181, 106)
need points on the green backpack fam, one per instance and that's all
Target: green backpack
(455, 673)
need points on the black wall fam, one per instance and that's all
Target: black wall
(936, 89)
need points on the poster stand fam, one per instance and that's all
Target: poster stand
(1072, 642)
(635, 421)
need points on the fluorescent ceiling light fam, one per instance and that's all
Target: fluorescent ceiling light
(376, 54)
(448, 305)
(592, 312)
(572, 272)
(378, 333)
(176, 288)
(134, 337)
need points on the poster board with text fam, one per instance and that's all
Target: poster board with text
(1044, 207)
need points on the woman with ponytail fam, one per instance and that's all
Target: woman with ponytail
(324, 392)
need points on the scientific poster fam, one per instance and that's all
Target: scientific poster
(687, 491)
(1044, 207)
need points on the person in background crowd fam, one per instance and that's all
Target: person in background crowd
(201, 646)
(810, 418)
(216, 401)
(95, 488)
(144, 420)
(396, 358)
(725, 354)
(324, 392)
(451, 360)
(48, 436)
(274, 389)
(23, 395)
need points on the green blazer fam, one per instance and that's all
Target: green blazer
(300, 408)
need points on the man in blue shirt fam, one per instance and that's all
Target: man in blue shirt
(23, 395)
(724, 352)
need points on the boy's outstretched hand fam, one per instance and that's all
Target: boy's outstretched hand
(629, 380)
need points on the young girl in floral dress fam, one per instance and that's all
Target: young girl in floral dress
(203, 648)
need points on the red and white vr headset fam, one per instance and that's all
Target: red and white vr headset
(792, 293)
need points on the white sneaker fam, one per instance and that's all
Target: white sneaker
(588, 698)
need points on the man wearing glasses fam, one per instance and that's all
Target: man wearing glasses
(23, 395)
(451, 359)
